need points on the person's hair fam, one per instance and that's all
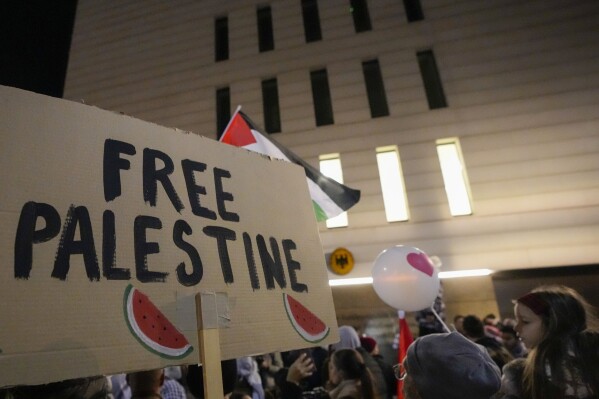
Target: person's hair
(351, 365)
(473, 326)
(80, 388)
(238, 395)
(489, 316)
(195, 378)
(567, 344)
(145, 383)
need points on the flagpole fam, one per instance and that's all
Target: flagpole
(230, 121)
(404, 341)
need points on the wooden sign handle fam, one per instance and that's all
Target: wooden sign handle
(208, 337)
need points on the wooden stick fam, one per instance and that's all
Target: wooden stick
(209, 340)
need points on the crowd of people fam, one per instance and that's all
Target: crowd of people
(549, 350)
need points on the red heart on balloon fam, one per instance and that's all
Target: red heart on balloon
(421, 262)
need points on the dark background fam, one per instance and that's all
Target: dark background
(512, 284)
(35, 38)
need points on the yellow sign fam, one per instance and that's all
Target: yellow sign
(342, 261)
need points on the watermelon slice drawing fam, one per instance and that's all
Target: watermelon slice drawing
(306, 323)
(151, 328)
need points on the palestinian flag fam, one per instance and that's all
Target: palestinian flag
(329, 197)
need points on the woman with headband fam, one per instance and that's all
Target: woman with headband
(555, 323)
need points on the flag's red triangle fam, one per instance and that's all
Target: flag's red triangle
(238, 132)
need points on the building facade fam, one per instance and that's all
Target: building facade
(516, 82)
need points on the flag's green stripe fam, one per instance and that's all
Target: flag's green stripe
(320, 214)
(321, 197)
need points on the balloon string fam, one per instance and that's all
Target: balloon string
(439, 318)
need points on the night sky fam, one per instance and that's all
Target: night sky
(35, 37)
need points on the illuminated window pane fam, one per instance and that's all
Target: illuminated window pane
(330, 165)
(392, 184)
(454, 176)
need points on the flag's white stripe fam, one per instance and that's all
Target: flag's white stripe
(266, 147)
(324, 201)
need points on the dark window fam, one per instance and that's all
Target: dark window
(221, 39)
(311, 20)
(375, 88)
(321, 95)
(270, 104)
(265, 36)
(413, 10)
(431, 80)
(223, 109)
(359, 10)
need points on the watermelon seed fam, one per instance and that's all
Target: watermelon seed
(152, 325)
(145, 317)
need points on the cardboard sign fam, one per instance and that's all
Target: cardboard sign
(112, 225)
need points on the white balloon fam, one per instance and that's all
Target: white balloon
(405, 278)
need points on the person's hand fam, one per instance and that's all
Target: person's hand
(303, 367)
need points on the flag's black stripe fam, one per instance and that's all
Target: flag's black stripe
(342, 195)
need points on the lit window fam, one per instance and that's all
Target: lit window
(454, 176)
(392, 184)
(330, 165)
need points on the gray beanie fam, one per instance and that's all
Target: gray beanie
(450, 366)
(348, 339)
